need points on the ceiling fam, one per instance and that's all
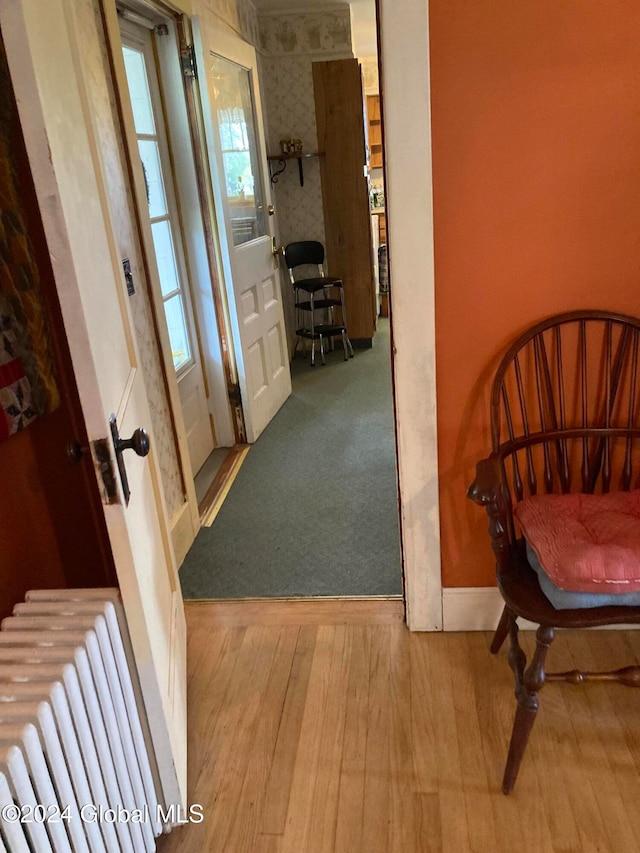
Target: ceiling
(363, 18)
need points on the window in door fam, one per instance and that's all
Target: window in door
(162, 210)
(236, 127)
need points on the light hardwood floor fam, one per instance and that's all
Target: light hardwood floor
(322, 726)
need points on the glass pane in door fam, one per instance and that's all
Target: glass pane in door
(150, 156)
(165, 257)
(178, 335)
(241, 187)
(139, 90)
(161, 204)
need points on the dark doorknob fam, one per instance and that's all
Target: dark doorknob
(139, 443)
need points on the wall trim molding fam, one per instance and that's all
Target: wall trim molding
(474, 608)
(316, 10)
(478, 608)
(314, 55)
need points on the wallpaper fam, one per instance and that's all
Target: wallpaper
(311, 32)
(288, 45)
(239, 15)
(370, 82)
(28, 387)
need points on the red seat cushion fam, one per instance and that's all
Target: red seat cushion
(585, 543)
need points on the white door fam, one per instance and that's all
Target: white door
(231, 104)
(44, 48)
(168, 246)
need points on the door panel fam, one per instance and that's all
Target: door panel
(196, 417)
(231, 106)
(58, 69)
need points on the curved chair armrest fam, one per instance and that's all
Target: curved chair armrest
(487, 491)
(487, 486)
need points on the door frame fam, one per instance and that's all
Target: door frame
(405, 90)
(404, 39)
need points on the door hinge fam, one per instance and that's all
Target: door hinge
(235, 395)
(235, 398)
(106, 470)
(188, 62)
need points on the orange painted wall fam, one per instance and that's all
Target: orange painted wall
(536, 159)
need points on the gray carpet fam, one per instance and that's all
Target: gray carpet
(313, 510)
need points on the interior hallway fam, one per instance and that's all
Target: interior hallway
(313, 510)
(328, 726)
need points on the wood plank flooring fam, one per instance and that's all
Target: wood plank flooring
(327, 726)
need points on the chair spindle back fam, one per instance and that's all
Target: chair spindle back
(565, 407)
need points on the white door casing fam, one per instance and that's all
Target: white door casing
(251, 273)
(43, 44)
(405, 84)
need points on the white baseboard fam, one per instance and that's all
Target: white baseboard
(474, 608)
(478, 608)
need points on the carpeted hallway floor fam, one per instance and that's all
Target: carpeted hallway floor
(313, 510)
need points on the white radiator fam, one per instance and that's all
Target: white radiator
(75, 769)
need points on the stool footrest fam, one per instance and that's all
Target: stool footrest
(318, 303)
(321, 331)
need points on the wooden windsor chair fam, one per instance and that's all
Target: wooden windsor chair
(565, 418)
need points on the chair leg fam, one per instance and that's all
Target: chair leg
(344, 345)
(322, 350)
(528, 683)
(350, 347)
(501, 632)
(343, 311)
(312, 320)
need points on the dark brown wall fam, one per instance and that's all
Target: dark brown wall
(52, 530)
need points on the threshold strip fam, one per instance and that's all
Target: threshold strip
(219, 489)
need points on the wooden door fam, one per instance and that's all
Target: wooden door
(45, 44)
(235, 137)
(345, 196)
(168, 247)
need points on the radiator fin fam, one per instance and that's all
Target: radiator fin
(74, 739)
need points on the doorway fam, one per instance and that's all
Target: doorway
(309, 500)
(158, 38)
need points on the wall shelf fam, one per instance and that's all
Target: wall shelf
(282, 159)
